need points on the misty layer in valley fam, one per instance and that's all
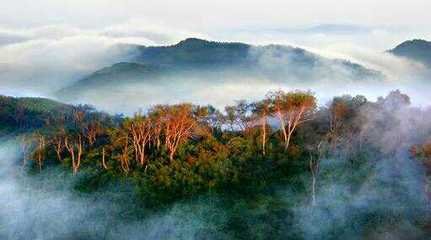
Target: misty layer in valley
(120, 78)
(218, 73)
(281, 167)
(193, 68)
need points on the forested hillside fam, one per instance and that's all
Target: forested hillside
(20, 114)
(369, 158)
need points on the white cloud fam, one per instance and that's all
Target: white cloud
(39, 60)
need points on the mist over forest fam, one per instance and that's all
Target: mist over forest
(141, 121)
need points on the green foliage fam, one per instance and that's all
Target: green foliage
(221, 153)
(253, 194)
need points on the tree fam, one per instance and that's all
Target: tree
(238, 116)
(104, 165)
(124, 155)
(423, 153)
(338, 113)
(292, 109)
(346, 119)
(156, 118)
(208, 118)
(26, 143)
(314, 165)
(394, 101)
(179, 125)
(75, 149)
(120, 141)
(141, 131)
(58, 134)
(262, 111)
(58, 146)
(78, 117)
(40, 149)
(91, 131)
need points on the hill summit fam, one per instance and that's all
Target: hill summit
(417, 50)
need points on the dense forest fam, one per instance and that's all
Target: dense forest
(350, 152)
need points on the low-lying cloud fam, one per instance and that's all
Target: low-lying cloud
(42, 60)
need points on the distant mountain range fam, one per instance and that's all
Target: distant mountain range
(417, 50)
(219, 61)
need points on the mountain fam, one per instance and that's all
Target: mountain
(215, 62)
(121, 70)
(194, 52)
(417, 50)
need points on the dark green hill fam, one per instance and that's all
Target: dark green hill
(417, 50)
(219, 61)
(194, 52)
(121, 71)
(29, 113)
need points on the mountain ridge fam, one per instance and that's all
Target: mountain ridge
(217, 61)
(416, 49)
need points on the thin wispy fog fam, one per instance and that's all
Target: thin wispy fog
(39, 61)
(54, 44)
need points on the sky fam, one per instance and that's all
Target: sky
(322, 25)
(201, 14)
(307, 23)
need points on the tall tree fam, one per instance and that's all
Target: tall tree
(40, 149)
(238, 116)
(179, 126)
(58, 143)
(292, 109)
(155, 116)
(75, 148)
(91, 131)
(141, 132)
(262, 111)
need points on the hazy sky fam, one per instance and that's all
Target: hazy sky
(381, 23)
(200, 14)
